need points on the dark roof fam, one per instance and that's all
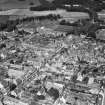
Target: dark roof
(41, 97)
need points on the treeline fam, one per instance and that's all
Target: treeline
(50, 17)
(96, 5)
(42, 8)
(10, 25)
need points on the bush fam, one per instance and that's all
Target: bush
(31, 3)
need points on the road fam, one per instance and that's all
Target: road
(102, 100)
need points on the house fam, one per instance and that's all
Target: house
(15, 73)
(12, 101)
(29, 30)
(49, 31)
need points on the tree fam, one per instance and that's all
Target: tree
(85, 80)
(53, 93)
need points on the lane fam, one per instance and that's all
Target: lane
(101, 99)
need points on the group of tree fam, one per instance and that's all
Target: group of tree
(96, 5)
(10, 25)
(50, 17)
(64, 22)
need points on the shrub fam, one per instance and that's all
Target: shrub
(21, 0)
(31, 3)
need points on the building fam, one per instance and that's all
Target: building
(49, 31)
(29, 30)
(13, 101)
